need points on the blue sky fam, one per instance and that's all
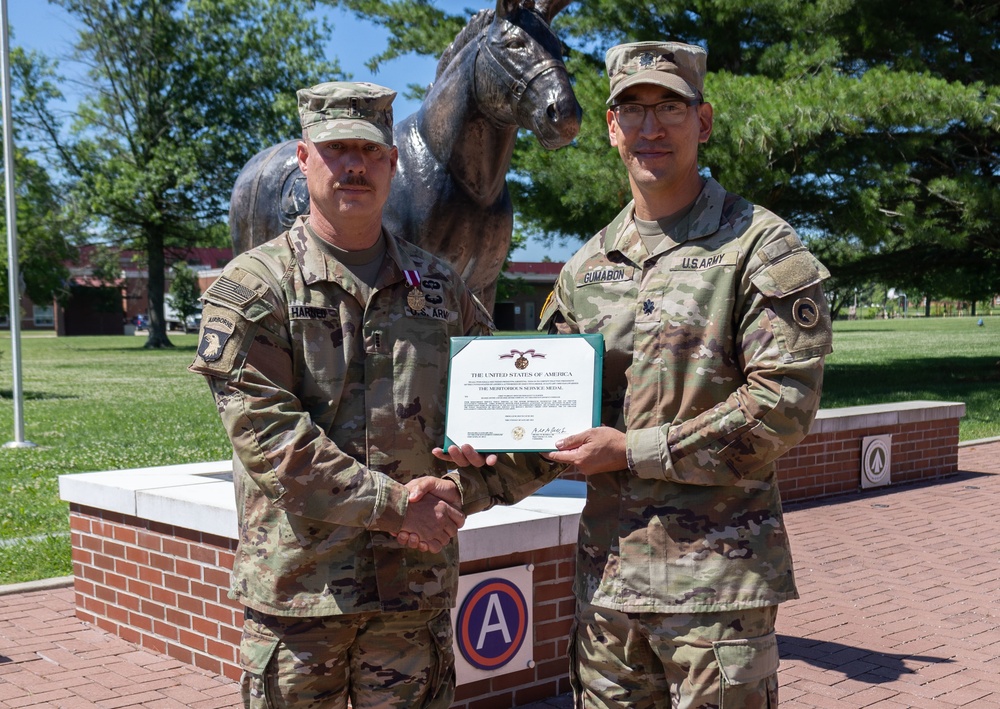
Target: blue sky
(42, 26)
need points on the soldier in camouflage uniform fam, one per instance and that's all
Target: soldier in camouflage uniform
(327, 351)
(715, 327)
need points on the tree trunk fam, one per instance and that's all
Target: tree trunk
(156, 267)
(973, 311)
(927, 306)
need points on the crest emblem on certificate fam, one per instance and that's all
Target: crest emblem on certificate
(521, 360)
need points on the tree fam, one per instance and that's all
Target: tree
(184, 291)
(872, 130)
(43, 250)
(183, 94)
(44, 219)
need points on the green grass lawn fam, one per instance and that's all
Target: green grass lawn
(941, 359)
(91, 403)
(99, 403)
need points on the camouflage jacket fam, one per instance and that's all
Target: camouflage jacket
(713, 368)
(332, 402)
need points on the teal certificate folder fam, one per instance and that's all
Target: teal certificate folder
(522, 393)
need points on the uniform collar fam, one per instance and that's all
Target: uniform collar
(703, 220)
(318, 262)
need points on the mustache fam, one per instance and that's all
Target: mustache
(355, 181)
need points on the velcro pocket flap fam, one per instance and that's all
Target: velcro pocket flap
(795, 272)
(749, 660)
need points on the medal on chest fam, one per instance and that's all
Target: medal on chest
(415, 298)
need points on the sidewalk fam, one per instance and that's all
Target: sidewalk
(899, 610)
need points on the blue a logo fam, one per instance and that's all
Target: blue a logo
(492, 624)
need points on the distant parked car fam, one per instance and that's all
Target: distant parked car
(192, 323)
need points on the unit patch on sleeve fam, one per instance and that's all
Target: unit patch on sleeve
(805, 312)
(216, 329)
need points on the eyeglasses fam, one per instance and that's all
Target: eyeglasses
(668, 113)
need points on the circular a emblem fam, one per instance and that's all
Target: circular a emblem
(521, 362)
(416, 299)
(805, 312)
(492, 624)
(517, 433)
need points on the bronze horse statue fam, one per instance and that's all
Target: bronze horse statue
(502, 72)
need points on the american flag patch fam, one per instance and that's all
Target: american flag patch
(230, 291)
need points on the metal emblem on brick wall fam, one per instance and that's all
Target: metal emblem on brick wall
(876, 461)
(493, 623)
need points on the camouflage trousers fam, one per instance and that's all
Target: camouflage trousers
(389, 660)
(723, 660)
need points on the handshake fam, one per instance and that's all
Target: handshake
(434, 510)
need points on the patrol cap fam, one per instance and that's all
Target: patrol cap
(675, 66)
(347, 110)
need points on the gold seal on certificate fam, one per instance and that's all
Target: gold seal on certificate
(522, 393)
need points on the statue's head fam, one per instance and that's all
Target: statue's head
(520, 77)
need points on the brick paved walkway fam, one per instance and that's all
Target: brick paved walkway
(899, 610)
(48, 658)
(900, 590)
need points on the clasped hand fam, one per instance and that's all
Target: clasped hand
(434, 512)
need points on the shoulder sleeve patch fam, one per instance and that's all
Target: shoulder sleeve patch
(226, 290)
(235, 304)
(223, 334)
(553, 317)
(792, 280)
(218, 325)
(241, 291)
(549, 307)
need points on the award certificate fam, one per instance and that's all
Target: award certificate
(522, 393)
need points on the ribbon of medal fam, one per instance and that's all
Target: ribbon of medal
(415, 298)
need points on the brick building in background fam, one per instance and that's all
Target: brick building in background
(98, 307)
(520, 300)
(102, 307)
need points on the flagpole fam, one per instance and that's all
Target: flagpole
(14, 279)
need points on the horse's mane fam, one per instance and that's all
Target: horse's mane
(476, 23)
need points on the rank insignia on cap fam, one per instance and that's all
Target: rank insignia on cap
(805, 313)
(646, 60)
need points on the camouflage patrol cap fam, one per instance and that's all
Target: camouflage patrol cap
(347, 110)
(672, 65)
